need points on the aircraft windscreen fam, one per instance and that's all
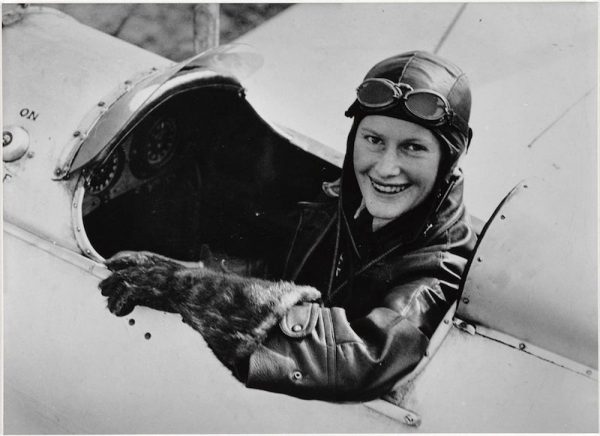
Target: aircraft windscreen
(234, 60)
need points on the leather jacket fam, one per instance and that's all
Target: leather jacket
(380, 305)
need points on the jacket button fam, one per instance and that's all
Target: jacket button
(297, 375)
(296, 328)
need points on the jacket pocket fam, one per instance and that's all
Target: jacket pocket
(300, 320)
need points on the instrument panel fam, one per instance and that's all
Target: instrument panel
(139, 160)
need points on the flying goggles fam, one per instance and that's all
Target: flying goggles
(430, 107)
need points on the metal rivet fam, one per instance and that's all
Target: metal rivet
(147, 335)
(78, 229)
(131, 321)
(446, 321)
(30, 154)
(154, 69)
(128, 82)
(297, 375)
(101, 103)
(76, 133)
(88, 251)
(589, 372)
(7, 138)
(502, 217)
(74, 205)
(465, 300)
(525, 186)
(479, 259)
(296, 327)
(522, 346)
(58, 171)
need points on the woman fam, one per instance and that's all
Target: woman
(371, 270)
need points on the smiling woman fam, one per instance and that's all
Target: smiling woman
(396, 165)
(372, 267)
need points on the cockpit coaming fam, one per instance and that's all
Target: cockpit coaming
(202, 168)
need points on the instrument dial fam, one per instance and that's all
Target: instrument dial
(155, 148)
(107, 173)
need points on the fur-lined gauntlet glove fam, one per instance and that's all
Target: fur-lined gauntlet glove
(233, 313)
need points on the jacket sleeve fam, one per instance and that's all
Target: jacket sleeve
(316, 352)
(336, 360)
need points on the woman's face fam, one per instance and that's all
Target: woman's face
(396, 164)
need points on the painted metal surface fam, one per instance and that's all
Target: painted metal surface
(534, 273)
(474, 384)
(56, 71)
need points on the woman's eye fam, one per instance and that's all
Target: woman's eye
(373, 139)
(415, 147)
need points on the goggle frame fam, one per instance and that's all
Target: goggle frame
(401, 92)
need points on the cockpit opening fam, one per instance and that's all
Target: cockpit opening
(201, 169)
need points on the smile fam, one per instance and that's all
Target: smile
(388, 188)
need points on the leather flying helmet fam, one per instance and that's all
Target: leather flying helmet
(423, 88)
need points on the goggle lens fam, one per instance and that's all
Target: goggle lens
(425, 105)
(376, 94)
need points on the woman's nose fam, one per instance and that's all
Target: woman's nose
(389, 164)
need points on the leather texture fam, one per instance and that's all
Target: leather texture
(376, 328)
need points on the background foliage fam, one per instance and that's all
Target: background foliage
(166, 28)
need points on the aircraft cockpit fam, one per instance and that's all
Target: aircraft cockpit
(193, 165)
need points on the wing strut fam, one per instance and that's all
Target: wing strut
(450, 27)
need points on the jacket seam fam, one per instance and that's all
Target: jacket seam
(331, 353)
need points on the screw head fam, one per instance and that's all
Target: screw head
(76, 133)
(409, 419)
(522, 346)
(479, 259)
(7, 138)
(101, 103)
(466, 300)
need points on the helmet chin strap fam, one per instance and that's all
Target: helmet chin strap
(452, 176)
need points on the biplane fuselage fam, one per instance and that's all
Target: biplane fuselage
(109, 147)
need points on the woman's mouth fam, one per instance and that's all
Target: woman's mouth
(388, 188)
